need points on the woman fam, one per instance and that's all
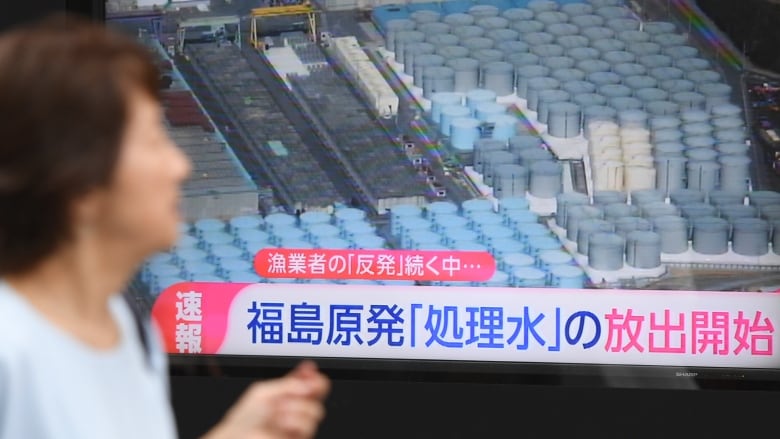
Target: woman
(89, 188)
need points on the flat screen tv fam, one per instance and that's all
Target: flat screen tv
(505, 190)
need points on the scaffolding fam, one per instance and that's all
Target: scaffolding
(280, 11)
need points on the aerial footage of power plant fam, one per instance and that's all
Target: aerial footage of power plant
(583, 144)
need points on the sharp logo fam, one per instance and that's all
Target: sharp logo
(686, 374)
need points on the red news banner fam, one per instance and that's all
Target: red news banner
(464, 266)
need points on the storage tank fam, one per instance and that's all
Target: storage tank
(351, 229)
(643, 249)
(564, 120)
(701, 154)
(725, 197)
(608, 45)
(605, 251)
(587, 99)
(509, 47)
(645, 196)
(622, 24)
(587, 228)
(368, 242)
(710, 235)
(751, 237)
(570, 76)
(414, 50)
(715, 93)
(444, 223)
(525, 27)
(440, 39)
(535, 86)
(404, 39)
(577, 213)
(588, 21)
(547, 258)
(475, 44)
(564, 201)
(492, 23)
(558, 62)
(696, 210)
(562, 29)
(538, 244)
(541, 6)
(464, 132)
(689, 100)
(571, 42)
(422, 62)
(492, 160)
(733, 212)
(482, 10)
(734, 172)
(617, 210)
(467, 32)
(691, 64)
(733, 149)
(602, 78)
(668, 135)
(513, 261)
(547, 50)
(524, 74)
(658, 208)
(644, 49)
(670, 39)
(524, 141)
(528, 277)
(545, 179)
(396, 27)
(476, 205)
(762, 198)
(680, 51)
(483, 110)
(683, 196)
(625, 103)
(627, 70)
(567, 276)
(538, 38)
(582, 53)
(517, 14)
(547, 97)
(466, 73)
(477, 96)
(481, 149)
(590, 66)
(633, 36)
(440, 100)
(450, 113)
(498, 76)
(670, 172)
(628, 224)
(458, 19)
(424, 17)
(597, 33)
(703, 175)
(508, 204)
(730, 135)
(452, 52)
(677, 85)
(510, 181)
(614, 90)
(726, 110)
(674, 232)
(595, 113)
(518, 218)
(528, 157)
(504, 126)
(318, 232)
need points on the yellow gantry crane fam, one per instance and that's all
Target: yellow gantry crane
(304, 8)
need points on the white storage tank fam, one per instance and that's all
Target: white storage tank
(751, 237)
(528, 277)
(492, 160)
(587, 21)
(524, 74)
(437, 79)
(548, 97)
(509, 181)
(542, 6)
(535, 86)
(703, 175)
(734, 172)
(566, 200)
(683, 196)
(412, 51)
(466, 73)
(458, 19)
(615, 211)
(517, 14)
(467, 32)
(423, 62)
(587, 228)
(464, 132)
(528, 26)
(404, 39)
(643, 249)
(577, 213)
(670, 39)
(482, 11)
(450, 113)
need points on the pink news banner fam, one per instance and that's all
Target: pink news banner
(643, 327)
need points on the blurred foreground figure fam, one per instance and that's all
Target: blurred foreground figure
(89, 188)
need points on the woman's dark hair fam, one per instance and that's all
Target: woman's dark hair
(65, 84)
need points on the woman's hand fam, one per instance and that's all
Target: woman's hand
(290, 407)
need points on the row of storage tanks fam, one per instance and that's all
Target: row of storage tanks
(526, 252)
(613, 229)
(215, 250)
(568, 62)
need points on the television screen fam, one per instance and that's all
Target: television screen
(507, 185)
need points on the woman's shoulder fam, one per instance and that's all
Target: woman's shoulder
(16, 321)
